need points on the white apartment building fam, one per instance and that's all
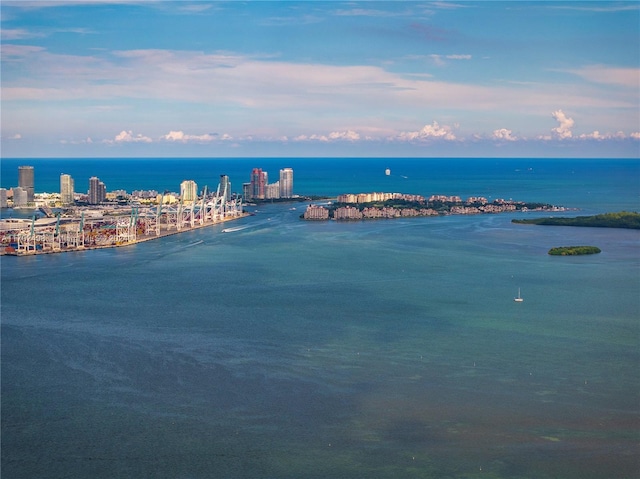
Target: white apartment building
(272, 190)
(286, 183)
(66, 189)
(188, 191)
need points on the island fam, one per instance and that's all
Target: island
(364, 206)
(622, 219)
(573, 250)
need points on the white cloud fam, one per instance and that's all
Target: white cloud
(129, 137)
(433, 131)
(437, 59)
(86, 141)
(440, 59)
(344, 135)
(635, 135)
(596, 135)
(182, 137)
(563, 130)
(276, 94)
(593, 136)
(348, 135)
(17, 136)
(598, 8)
(226, 79)
(17, 52)
(504, 134)
(629, 77)
(447, 5)
(17, 34)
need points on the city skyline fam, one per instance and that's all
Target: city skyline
(189, 190)
(281, 79)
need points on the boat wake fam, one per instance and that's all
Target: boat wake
(196, 243)
(235, 228)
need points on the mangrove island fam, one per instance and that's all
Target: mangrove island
(623, 219)
(573, 250)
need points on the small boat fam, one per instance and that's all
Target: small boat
(518, 299)
(387, 172)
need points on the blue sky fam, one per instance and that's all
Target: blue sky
(260, 78)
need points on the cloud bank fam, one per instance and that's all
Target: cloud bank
(128, 137)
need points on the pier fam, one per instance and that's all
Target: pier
(131, 226)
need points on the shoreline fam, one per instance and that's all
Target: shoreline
(138, 240)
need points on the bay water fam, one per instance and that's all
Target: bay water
(372, 349)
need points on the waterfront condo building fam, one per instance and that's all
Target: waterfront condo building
(26, 181)
(315, 212)
(3, 198)
(272, 191)
(258, 183)
(97, 191)
(66, 189)
(188, 191)
(286, 183)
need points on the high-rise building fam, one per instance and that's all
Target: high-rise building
(188, 191)
(66, 189)
(258, 182)
(97, 191)
(26, 181)
(272, 190)
(3, 198)
(286, 183)
(20, 197)
(225, 183)
(246, 191)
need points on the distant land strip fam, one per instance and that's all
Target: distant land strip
(365, 206)
(622, 219)
(574, 250)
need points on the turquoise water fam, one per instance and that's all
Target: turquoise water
(378, 349)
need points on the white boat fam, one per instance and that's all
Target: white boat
(235, 228)
(519, 298)
(387, 172)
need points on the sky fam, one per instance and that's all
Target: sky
(311, 78)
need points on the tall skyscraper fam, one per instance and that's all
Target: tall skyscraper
(188, 191)
(26, 181)
(286, 183)
(97, 191)
(66, 189)
(258, 182)
(225, 183)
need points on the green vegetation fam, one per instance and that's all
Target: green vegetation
(441, 206)
(573, 250)
(623, 219)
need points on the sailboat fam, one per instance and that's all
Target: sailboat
(519, 298)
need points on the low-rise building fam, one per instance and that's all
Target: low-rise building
(315, 212)
(347, 213)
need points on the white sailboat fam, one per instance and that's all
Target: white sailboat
(519, 298)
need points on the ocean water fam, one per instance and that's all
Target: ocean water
(288, 349)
